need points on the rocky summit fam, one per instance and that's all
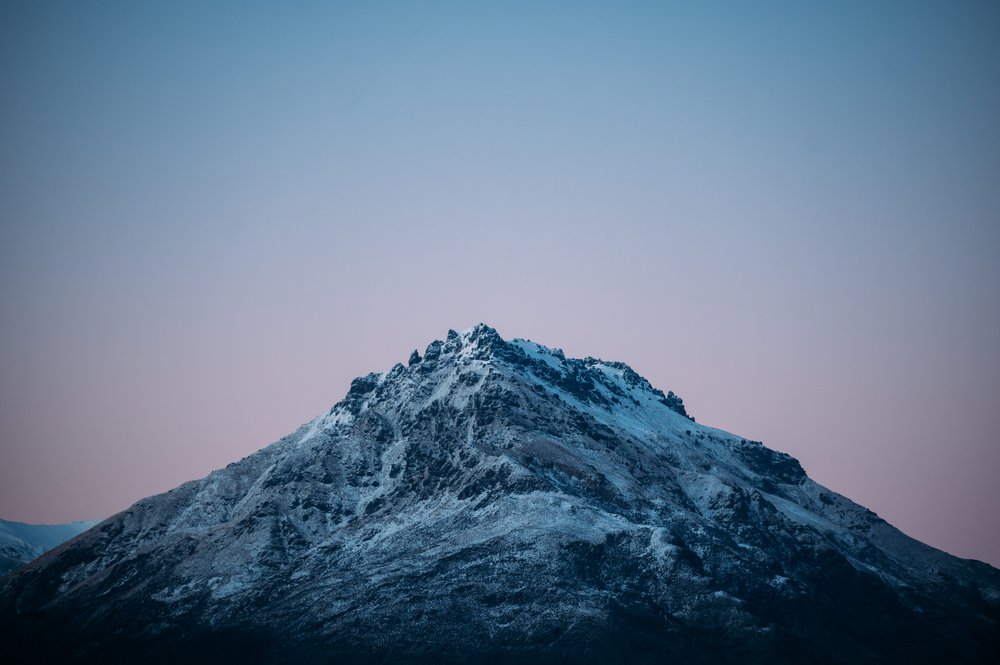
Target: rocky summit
(496, 501)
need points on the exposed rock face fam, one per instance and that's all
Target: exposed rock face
(497, 502)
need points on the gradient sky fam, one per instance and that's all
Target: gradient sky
(211, 219)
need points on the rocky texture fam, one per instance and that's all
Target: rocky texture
(496, 501)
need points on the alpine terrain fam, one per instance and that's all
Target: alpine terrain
(21, 543)
(495, 501)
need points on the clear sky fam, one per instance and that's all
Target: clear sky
(211, 219)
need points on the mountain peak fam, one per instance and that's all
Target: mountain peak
(480, 335)
(480, 351)
(499, 501)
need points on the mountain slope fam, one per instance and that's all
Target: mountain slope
(21, 543)
(496, 501)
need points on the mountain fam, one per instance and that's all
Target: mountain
(495, 501)
(21, 543)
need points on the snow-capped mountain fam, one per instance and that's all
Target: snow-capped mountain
(21, 543)
(495, 501)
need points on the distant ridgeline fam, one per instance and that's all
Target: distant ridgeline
(21, 543)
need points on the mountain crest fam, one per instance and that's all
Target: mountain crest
(589, 380)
